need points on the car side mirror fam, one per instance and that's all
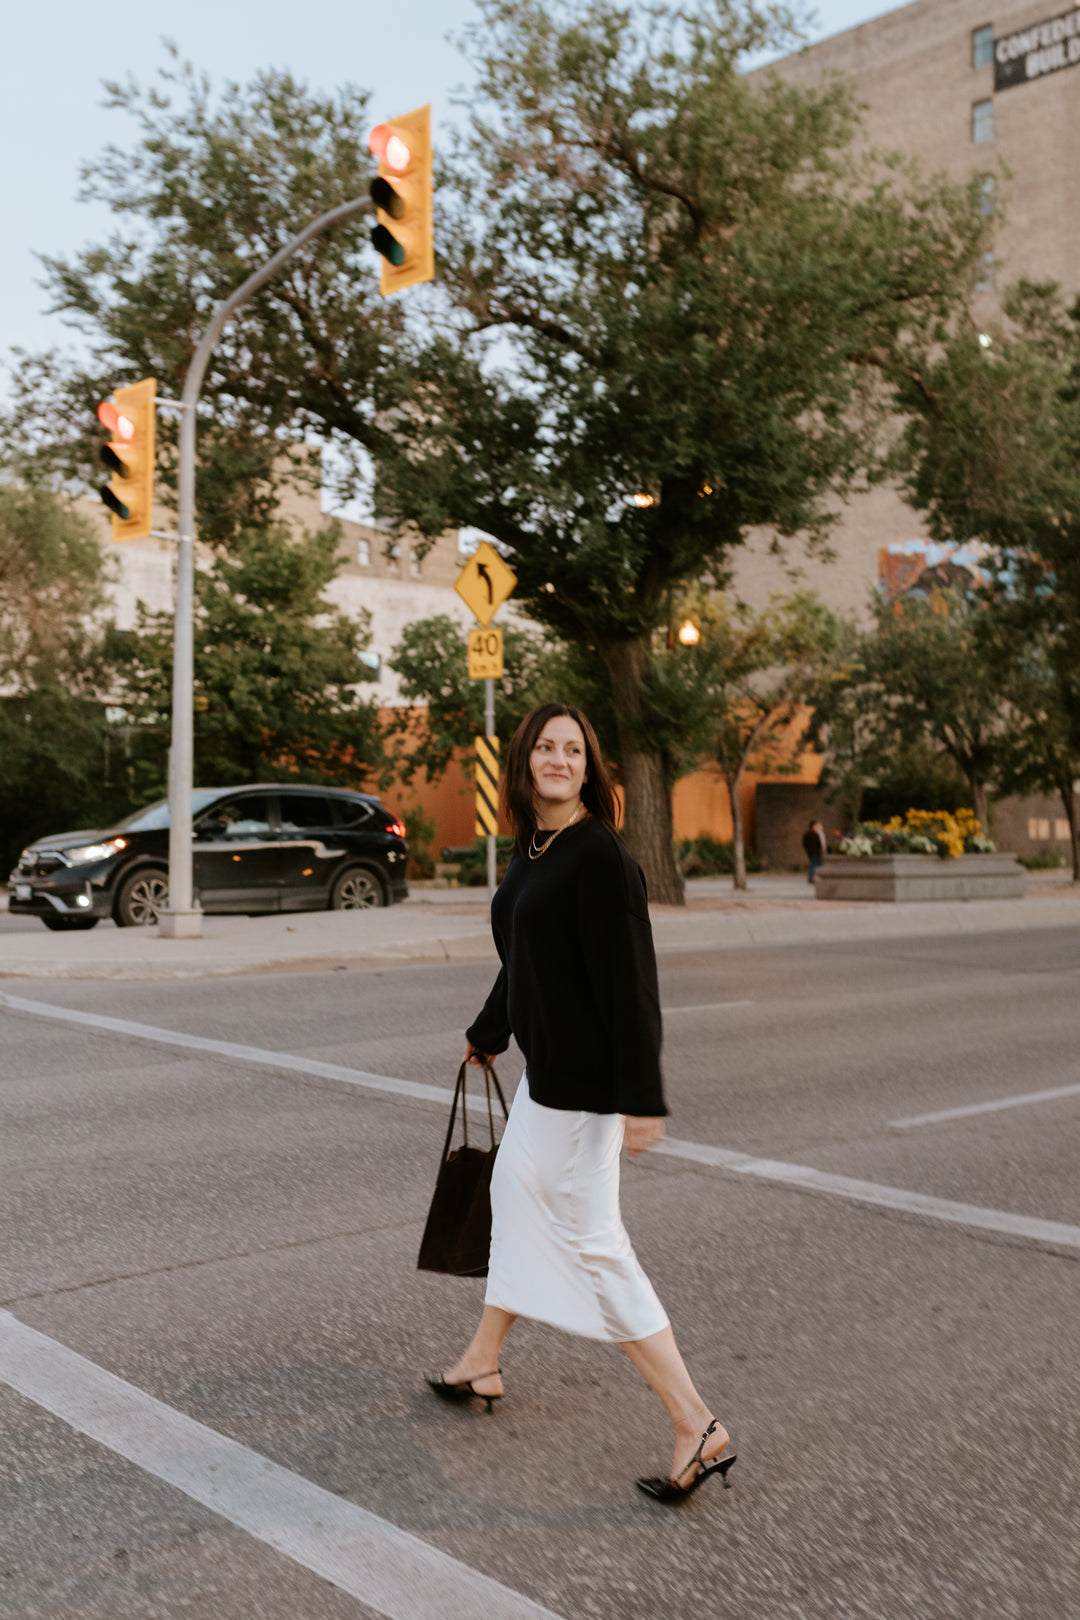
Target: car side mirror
(211, 829)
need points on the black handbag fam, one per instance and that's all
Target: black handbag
(457, 1237)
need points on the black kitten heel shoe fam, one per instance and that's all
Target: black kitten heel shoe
(669, 1490)
(463, 1391)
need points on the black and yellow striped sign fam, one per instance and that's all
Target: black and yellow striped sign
(487, 785)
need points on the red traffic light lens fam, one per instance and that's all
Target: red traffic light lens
(389, 148)
(122, 426)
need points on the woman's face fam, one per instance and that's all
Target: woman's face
(557, 761)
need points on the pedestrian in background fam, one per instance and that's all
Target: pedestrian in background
(578, 991)
(816, 846)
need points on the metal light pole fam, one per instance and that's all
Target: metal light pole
(183, 919)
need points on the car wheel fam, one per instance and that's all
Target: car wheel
(142, 898)
(70, 925)
(357, 890)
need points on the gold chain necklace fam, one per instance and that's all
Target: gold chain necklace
(536, 850)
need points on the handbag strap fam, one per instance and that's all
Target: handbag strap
(460, 1090)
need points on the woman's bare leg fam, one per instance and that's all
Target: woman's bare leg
(482, 1356)
(657, 1358)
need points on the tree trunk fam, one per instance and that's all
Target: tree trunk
(738, 846)
(648, 827)
(1068, 799)
(981, 804)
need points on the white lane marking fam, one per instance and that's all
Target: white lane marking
(229, 1049)
(393, 1572)
(795, 1175)
(706, 1006)
(871, 1192)
(1023, 1100)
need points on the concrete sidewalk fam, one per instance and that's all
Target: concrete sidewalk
(452, 926)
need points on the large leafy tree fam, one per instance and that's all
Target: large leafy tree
(678, 308)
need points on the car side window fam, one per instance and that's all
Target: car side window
(304, 812)
(353, 812)
(247, 817)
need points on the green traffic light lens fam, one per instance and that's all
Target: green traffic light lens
(388, 245)
(114, 503)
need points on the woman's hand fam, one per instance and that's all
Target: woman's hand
(641, 1132)
(477, 1059)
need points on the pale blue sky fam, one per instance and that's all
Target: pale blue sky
(58, 52)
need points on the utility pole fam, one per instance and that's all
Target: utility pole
(183, 919)
(489, 731)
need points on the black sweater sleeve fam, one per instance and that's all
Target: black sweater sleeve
(490, 1033)
(616, 937)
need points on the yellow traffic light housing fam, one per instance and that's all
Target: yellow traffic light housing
(129, 456)
(404, 234)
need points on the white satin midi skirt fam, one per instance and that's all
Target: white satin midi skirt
(559, 1250)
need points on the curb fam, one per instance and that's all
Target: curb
(674, 935)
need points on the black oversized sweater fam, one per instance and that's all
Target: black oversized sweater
(578, 986)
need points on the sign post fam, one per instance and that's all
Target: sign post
(484, 585)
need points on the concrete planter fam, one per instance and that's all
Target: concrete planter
(919, 877)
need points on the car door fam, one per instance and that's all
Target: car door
(237, 858)
(311, 851)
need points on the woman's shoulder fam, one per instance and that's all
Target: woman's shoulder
(606, 857)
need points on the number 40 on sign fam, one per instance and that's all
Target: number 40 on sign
(486, 654)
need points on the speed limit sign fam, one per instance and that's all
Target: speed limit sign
(486, 654)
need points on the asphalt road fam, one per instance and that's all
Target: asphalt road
(239, 1242)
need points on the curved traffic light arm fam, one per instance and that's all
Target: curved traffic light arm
(182, 920)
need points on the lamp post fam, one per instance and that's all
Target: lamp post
(183, 919)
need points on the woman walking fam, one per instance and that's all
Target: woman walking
(578, 991)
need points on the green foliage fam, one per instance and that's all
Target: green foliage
(1043, 860)
(59, 761)
(473, 861)
(430, 661)
(919, 676)
(708, 857)
(276, 668)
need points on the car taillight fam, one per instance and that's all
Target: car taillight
(397, 827)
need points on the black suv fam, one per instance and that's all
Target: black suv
(256, 849)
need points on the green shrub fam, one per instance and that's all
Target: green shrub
(708, 857)
(1044, 860)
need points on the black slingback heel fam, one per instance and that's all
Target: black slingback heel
(463, 1391)
(669, 1490)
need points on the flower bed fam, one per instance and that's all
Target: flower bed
(943, 833)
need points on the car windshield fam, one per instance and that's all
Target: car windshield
(156, 816)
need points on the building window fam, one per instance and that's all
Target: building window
(982, 45)
(1038, 828)
(363, 554)
(1062, 830)
(986, 194)
(982, 121)
(986, 275)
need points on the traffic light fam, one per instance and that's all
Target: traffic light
(129, 456)
(402, 197)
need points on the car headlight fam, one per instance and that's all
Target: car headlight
(86, 853)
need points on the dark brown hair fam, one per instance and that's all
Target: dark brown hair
(597, 792)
